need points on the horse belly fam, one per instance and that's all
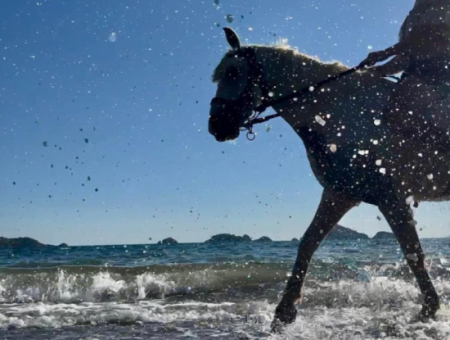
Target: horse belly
(423, 173)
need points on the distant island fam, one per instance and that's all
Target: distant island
(228, 238)
(263, 239)
(25, 243)
(168, 241)
(384, 235)
(342, 233)
(338, 233)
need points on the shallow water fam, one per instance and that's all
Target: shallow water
(355, 290)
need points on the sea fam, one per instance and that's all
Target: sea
(354, 290)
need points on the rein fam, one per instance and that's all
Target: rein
(294, 95)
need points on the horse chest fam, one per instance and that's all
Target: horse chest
(336, 167)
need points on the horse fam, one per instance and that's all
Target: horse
(353, 151)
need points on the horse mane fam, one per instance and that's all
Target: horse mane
(273, 54)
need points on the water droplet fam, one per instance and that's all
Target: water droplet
(112, 37)
(320, 120)
(412, 257)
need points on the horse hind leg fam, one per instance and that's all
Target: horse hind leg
(331, 209)
(400, 218)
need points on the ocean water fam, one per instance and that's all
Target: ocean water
(354, 290)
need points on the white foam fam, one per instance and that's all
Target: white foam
(95, 287)
(2, 293)
(65, 285)
(59, 315)
(103, 284)
(249, 318)
(148, 284)
(382, 308)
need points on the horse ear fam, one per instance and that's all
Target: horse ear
(232, 38)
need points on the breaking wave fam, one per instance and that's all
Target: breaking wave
(76, 284)
(224, 301)
(356, 310)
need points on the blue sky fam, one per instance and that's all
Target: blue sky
(103, 120)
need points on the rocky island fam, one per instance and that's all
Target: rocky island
(228, 238)
(25, 243)
(384, 235)
(342, 233)
(263, 239)
(338, 233)
(168, 241)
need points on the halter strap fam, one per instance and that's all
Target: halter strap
(256, 71)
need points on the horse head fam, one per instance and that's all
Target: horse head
(239, 89)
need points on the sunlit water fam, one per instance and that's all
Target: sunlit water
(355, 290)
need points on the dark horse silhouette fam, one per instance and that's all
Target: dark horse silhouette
(354, 152)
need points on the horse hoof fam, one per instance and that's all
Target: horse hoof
(429, 310)
(283, 315)
(276, 327)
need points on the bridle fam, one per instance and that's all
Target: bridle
(256, 79)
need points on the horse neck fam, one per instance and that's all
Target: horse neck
(287, 71)
(340, 103)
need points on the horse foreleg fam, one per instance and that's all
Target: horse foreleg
(401, 221)
(331, 209)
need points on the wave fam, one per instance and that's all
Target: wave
(90, 283)
(354, 310)
(76, 284)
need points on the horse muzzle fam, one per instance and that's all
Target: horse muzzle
(223, 127)
(224, 120)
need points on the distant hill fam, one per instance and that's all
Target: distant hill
(263, 239)
(168, 241)
(25, 243)
(384, 235)
(342, 233)
(228, 238)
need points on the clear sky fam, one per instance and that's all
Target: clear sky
(103, 119)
